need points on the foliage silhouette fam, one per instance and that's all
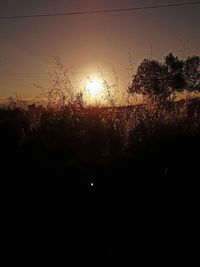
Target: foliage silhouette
(160, 80)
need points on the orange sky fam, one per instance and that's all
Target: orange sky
(86, 43)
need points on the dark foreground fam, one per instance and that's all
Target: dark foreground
(141, 203)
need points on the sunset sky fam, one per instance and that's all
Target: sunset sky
(89, 42)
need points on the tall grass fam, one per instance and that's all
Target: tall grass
(100, 133)
(95, 133)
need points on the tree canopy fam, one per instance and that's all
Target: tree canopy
(158, 80)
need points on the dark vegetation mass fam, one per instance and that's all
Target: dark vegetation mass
(66, 138)
(146, 155)
(92, 142)
(160, 80)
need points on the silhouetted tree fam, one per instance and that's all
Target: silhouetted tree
(192, 73)
(175, 78)
(158, 80)
(149, 80)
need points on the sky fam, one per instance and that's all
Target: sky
(88, 43)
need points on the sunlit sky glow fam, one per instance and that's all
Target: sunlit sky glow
(94, 87)
(87, 44)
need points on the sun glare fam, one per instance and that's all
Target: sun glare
(94, 87)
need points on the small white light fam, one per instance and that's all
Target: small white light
(92, 184)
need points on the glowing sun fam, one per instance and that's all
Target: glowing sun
(94, 87)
